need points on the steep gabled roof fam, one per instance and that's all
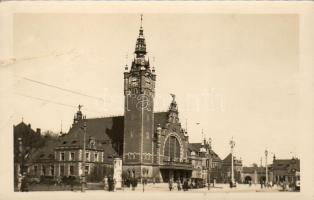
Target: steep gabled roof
(102, 129)
(286, 164)
(107, 133)
(160, 118)
(227, 160)
(195, 147)
(44, 153)
(215, 156)
(251, 170)
(23, 126)
(112, 128)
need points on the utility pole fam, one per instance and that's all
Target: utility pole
(232, 144)
(266, 154)
(83, 159)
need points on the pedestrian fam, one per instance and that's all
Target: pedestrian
(114, 182)
(179, 185)
(133, 184)
(105, 181)
(58, 180)
(170, 184)
(24, 185)
(110, 184)
(185, 185)
(71, 179)
(19, 182)
(261, 184)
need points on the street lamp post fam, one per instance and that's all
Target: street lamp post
(209, 162)
(266, 154)
(83, 159)
(232, 144)
(20, 166)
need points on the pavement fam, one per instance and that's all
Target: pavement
(219, 188)
(163, 187)
(224, 188)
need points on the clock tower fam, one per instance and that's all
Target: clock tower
(139, 92)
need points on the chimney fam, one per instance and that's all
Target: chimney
(38, 131)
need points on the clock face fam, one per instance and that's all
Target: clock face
(133, 81)
(148, 83)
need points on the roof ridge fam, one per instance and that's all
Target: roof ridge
(103, 117)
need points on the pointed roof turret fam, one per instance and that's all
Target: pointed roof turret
(140, 47)
(173, 106)
(79, 115)
(173, 111)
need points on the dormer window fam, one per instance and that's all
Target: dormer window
(72, 154)
(92, 142)
(96, 157)
(62, 157)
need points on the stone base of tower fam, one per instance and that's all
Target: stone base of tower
(150, 172)
(138, 171)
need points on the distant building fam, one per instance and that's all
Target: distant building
(25, 140)
(226, 169)
(256, 174)
(285, 170)
(206, 163)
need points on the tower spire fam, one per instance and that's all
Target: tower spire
(61, 128)
(153, 70)
(140, 48)
(141, 21)
(126, 68)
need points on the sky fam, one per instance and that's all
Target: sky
(234, 74)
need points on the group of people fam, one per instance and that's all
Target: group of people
(109, 183)
(179, 185)
(265, 185)
(22, 183)
(133, 183)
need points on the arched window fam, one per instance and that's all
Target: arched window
(172, 148)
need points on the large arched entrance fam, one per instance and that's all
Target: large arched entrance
(247, 179)
(172, 166)
(172, 149)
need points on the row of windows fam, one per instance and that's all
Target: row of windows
(50, 171)
(72, 156)
(45, 170)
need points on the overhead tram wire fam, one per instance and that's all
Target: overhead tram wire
(63, 89)
(53, 102)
